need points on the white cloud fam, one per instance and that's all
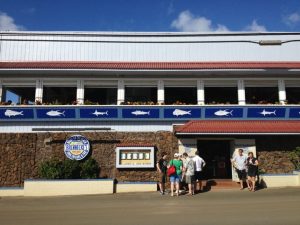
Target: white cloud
(291, 19)
(7, 23)
(255, 27)
(187, 22)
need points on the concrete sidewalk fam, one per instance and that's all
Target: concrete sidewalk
(267, 206)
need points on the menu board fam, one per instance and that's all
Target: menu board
(135, 157)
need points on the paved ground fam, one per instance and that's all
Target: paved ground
(268, 206)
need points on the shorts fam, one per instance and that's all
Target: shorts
(162, 178)
(174, 178)
(252, 172)
(198, 175)
(241, 174)
(189, 179)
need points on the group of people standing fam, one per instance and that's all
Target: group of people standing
(187, 170)
(246, 168)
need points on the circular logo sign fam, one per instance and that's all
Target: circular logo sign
(77, 147)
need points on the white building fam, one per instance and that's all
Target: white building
(138, 82)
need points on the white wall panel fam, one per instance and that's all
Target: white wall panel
(88, 47)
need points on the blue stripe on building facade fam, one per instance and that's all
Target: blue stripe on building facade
(82, 113)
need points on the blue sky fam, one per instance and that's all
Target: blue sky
(151, 15)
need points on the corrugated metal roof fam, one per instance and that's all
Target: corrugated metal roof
(239, 127)
(149, 65)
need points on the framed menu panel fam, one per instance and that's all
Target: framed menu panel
(135, 157)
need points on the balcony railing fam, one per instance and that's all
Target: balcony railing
(147, 112)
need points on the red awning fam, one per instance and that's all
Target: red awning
(148, 65)
(239, 127)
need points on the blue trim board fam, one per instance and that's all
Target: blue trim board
(148, 113)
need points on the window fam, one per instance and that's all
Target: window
(221, 95)
(101, 96)
(293, 95)
(141, 95)
(59, 95)
(261, 95)
(19, 95)
(180, 95)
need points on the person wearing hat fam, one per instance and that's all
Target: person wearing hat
(175, 178)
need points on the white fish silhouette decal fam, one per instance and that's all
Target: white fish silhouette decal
(10, 113)
(224, 112)
(264, 112)
(55, 113)
(96, 113)
(140, 113)
(180, 112)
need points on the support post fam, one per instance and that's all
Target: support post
(281, 92)
(160, 92)
(80, 92)
(39, 91)
(200, 92)
(1, 91)
(241, 92)
(121, 92)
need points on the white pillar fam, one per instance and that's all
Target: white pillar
(80, 92)
(121, 92)
(200, 92)
(160, 92)
(1, 92)
(241, 92)
(39, 90)
(281, 92)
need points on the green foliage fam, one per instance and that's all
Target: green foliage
(295, 157)
(52, 169)
(89, 169)
(69, 169)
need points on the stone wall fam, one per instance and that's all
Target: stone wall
(21, 154)
(273, 153)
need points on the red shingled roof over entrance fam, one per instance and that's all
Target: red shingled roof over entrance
(148, 65)
(239, 127)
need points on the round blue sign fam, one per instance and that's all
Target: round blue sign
(77, 147)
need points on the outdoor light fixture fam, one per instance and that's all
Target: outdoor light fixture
(270, 42)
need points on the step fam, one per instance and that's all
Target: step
(212, 184)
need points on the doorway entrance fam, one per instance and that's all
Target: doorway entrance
(216, 154)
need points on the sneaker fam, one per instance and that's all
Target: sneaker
(161, 192)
